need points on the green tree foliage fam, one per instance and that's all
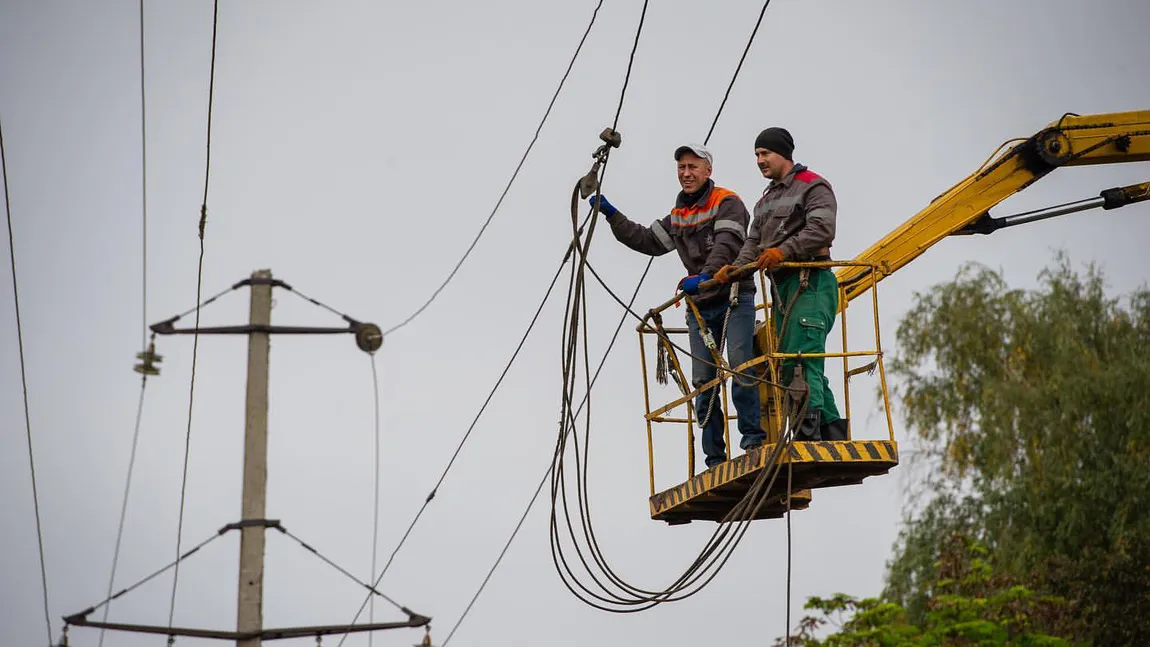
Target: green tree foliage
(970, 606)
(1035, 408)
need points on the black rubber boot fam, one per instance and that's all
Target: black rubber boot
(835, 430)
(808, 430)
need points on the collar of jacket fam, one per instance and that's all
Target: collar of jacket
(685, 199)
(789, 177)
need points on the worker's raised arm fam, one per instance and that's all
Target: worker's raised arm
(653, 240)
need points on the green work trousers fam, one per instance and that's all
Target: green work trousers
(811, 319)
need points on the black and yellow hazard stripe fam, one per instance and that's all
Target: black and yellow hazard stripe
(881, 454)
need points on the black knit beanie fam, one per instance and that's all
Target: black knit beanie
(776, 140)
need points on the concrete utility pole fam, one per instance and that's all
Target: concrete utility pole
(253, 524)
(249, 605)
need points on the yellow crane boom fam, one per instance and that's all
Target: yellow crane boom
(1073, 140)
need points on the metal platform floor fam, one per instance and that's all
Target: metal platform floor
(711, 495)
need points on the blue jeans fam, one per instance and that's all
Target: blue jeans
(740, 348)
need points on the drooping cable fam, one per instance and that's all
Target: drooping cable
(711, 558)
(24, 384)
(634, 598)
(757, 490)
(199, 291)
(143, 317)
(514, 175)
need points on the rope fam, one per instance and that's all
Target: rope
(718, 350)
(507, 188)
(665, 338)
(196, 335)
(24, 384)
(124, 503)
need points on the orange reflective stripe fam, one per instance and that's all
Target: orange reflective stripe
(695, 215)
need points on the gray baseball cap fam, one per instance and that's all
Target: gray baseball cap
(697, 150)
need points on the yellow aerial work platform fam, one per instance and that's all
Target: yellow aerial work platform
(721, 493)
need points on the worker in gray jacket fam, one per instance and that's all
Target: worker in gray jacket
(707, 227)
(795, 221)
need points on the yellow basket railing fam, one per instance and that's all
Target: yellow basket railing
(666, 341)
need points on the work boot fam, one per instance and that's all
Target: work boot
(835, 430)
(808, 430)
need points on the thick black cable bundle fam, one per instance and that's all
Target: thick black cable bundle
(607, 590)
(617, 594)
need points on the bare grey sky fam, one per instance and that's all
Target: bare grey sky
(356, 149)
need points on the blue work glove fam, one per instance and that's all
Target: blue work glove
(690, 285)
(605, 207)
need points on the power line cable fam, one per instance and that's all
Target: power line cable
(530, 327)
(124, 502)
(630, 63)
(466, 435)
(787, 633)
(375, 506)
(199, 289)
(143, 191)
(511, 181)
(698, 570)
(626, 307)
(738, 68)
(710, 560)
(143, 317)
(24, 384)
(546, 475)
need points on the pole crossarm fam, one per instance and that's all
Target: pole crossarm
(166, 328)
(368, 336)
(81, 619)
(414, 620)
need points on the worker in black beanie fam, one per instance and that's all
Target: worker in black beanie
(794, 221)
(777, 140)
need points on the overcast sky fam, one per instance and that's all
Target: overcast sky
(356, 149)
